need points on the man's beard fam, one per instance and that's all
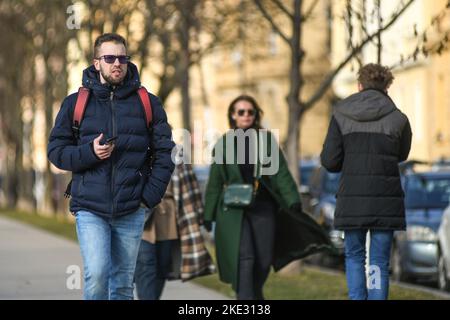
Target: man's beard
(111, 80)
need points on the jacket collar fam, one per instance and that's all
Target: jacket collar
(91, 80)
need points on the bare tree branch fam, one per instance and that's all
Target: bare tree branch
(269, 18)
(283, 8)
(330, 77)
(423, 46)
(380, 23)
(310, 10)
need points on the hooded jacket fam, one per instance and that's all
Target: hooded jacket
(115, 186)
(367, 138)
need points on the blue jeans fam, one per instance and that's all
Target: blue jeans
(109, 248)
(152, 268)
(376, 287)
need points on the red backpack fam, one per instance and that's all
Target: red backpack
(83, 97)
(80, 107)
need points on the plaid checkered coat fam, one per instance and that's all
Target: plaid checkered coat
(195, 259)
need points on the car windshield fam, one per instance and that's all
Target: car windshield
(427, 192)
(331, 183)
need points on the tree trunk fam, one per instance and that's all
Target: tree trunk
(25, 188)
(49, 203)
(380, 24)
(295, 109)
(14, 136)
(26, 200)
(294, 96)
(186, 59)
(11, 179)
(186, 100)
(292, 141)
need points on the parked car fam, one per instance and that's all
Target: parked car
(444, 252)
(323, 188)
(415, 251)
(442, 164)
(306, 168)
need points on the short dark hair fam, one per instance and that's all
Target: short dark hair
(258, 111)
(375, 76)
(108, 37)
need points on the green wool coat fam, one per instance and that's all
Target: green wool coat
(297, 234)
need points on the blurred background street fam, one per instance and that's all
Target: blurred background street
(297, 58)
(39, 265)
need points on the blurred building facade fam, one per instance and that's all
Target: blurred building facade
(421, 88)
(260, 67)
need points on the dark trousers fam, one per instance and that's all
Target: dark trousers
(152, 268)
(256, 250)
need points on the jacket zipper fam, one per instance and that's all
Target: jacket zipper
(112, 160)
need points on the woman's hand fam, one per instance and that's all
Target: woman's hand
(208, 225)
(296, 207)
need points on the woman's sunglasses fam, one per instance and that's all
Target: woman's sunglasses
(250, 112)
(110, 59)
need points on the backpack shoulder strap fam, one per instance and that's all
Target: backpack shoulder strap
(146, 104)
(78, 113)
(80, 107)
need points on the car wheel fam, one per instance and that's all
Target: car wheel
(397, 270)
(443, 281)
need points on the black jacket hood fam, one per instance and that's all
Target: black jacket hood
(365, 106)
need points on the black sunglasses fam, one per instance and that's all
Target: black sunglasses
(250, 112)
(110, 59)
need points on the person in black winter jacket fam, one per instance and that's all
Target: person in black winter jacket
(111, 180)
(367, 138)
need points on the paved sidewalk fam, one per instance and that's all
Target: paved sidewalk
(33, 265)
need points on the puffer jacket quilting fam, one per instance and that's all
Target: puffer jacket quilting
(115, 186)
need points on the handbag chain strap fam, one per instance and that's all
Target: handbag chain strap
(256, 167)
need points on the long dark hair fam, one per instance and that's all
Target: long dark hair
(258, 111)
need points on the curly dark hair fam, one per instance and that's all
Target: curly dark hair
(258, 111)
(375, 76)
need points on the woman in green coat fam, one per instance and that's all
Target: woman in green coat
(273, 230)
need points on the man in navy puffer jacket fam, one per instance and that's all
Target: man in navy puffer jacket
(110, 181)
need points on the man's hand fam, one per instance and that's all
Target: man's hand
(102, 151)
